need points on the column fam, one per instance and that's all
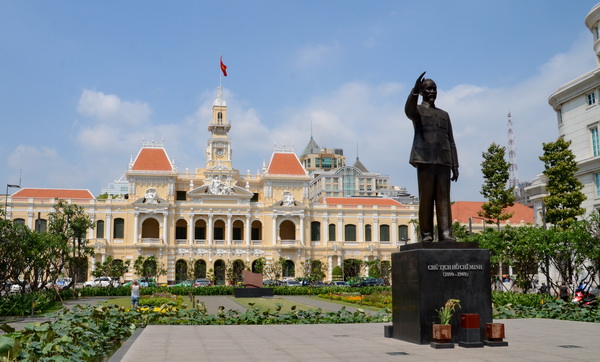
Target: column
(247, 229)
(375, 230)
(302, 230)
(136, 216)
(165, 227)
(394, 232)
(325, 231)
(229, 230)
(191, 229)
(274, 229)
(339, 231)
(330, 267)
(108, 228)
(361, 229)
(30, 220)
(209, 230)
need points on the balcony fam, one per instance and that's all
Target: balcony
(181, 241)
(239, 242)
(290, 242)
(256, 242)
(152, 241)
(219, 242)
(200, 241)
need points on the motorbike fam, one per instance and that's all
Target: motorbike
(585, 299)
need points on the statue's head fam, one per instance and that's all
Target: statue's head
(429, 90)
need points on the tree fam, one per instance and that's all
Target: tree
(592, 246)
(495, 173)
(313, 270)
(114, 268)
(149, 267)
(274, 269)
(70, 223)
(563, 203)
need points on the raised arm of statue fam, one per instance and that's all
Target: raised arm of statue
(411, 103)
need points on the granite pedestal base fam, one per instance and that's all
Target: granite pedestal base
(426, 275)
(252, 292)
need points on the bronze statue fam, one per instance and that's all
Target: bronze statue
(434, 155)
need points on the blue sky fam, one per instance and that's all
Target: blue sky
(82, 83)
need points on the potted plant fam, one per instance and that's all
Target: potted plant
(442, 332)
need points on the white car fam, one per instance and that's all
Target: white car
(102, 282)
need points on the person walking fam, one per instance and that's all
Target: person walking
(135, 293)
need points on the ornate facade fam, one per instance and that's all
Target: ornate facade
(215, 215)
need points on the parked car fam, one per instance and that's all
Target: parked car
(202, 282)
(102, 282)
(368, 281)
(61, 283)
(271, 283)
(150, 282)
(339, 283)
(292, 283)
(185, 283)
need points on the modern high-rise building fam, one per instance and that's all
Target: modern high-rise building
(214, 215)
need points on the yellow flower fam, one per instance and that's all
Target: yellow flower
(156, 309)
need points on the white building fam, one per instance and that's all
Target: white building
(578, 116)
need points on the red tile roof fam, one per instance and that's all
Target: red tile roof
(285, 164)
(152, 159)
(53, 194)
(462, 210)
(360, 201)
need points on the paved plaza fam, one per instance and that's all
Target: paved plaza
(529, 340)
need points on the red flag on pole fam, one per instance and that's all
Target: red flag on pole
(223, 67)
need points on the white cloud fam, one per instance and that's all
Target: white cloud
(111, 109)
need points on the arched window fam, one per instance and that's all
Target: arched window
(289, 270)
(403, 233)
(368, 233)
(200, 230)
(100, 229)
(331, 232)
(384, 232)
(40, 225)
(219, 230)
(220, 118)
(287, 230)
(238, 230)
(350, 232)
(119, 228)
(19, 222)
(256, 231)
(181, 230)
(315, 231)
(150, 229)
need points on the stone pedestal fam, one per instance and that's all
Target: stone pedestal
(252, 292)
(426, 275)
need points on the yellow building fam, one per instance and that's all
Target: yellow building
(215, 215)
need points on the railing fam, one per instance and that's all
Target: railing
(150, 241)
(200, 241)
(256, 242)
(289, 242)
(219, 242)
(181, 241)
(239, 242)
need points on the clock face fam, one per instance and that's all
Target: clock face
(220, 152)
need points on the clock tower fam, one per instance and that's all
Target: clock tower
(218, 150)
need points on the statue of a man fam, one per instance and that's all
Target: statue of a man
(434, 155)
